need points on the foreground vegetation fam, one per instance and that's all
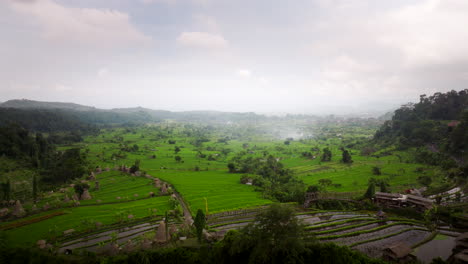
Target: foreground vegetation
(92, 185)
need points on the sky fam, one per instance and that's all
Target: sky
(265, 56)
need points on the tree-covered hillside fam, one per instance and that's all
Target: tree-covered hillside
(437, 126)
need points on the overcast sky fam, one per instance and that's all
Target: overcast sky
(300, 56)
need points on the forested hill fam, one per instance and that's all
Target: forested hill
(30, 104)
(128, 116)
(42, 120)
(437, 124)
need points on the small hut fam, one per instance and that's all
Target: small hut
(399, 252)
(86, 195)
(381, 215)
(461, 257)
(164, 189)
(157, 183)
(161, 235)
(18, 211)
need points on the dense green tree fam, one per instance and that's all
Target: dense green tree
(199, 223)
(425, 180)
(376, 171)
(34, 188)
(325, 182)
(275, 236)
(370, 192)
(135, 167)
(346, 157)
(6, 189)
(313, 188)
(326, 155)
(65, 166)
(437, 125)
(80, 188)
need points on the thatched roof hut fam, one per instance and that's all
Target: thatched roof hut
(161, 235)
(461, 257)
(18, 211)
(86, 195)
(419, 201)
(397, 252)
(163, 189)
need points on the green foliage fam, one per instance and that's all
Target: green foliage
(64, 126)
(313, 188)
(274, 180)
(199, 223)
(65, 166)
(346, 157)
(376, 171)
(34, 188)
(425, 180)
(370, 191)
(325, 182)
(276, 233)
(135, 167)
(326, 155)
(6, 190)
(80, 188)
(430, 123)
(383, 184)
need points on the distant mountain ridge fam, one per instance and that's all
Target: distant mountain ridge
(134, 115)
(31, 104)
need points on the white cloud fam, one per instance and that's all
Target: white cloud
(103, 72)
(198, 2)
(62, 88)
(207, 23)
(263, 80)
(202, 40)
(96, 27)
(430, 32)
(158, 1)
(395, 53)
(244, 73)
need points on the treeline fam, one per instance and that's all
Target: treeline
(437, 125)
(270, 177)
(45, 121)
(35, 152)
(54, 120)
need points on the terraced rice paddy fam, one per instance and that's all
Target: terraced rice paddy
(104, 208)
(121, 236)
(360, 231)
(222, 190)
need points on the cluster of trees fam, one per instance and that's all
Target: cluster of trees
(440, 121)
(271, 178)
(436, 126)
(326, 155)
(373, 183)
(42, 120)
(34, 152)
